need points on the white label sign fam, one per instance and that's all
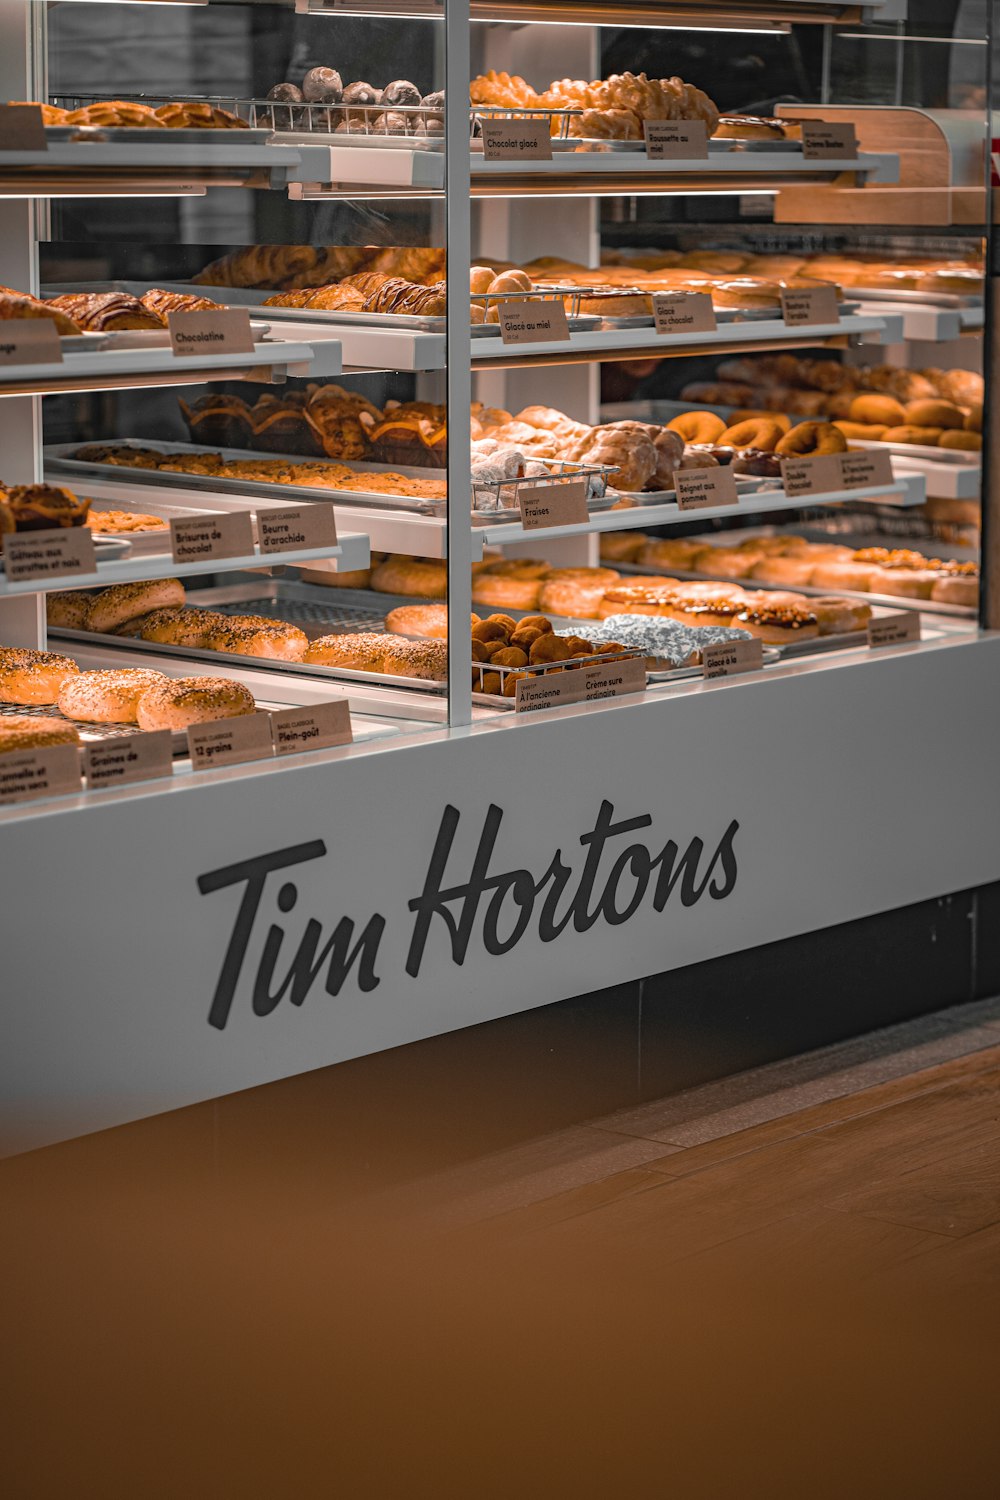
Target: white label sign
(865, 469)
(700, 489)
(526, 321)
(678, 140)
(549, 690)
(295, 528)
(684, 312)
(613, 679)
(48, 771)
(221, 330)
(316, 727)
(58, 553)
(731, 658)
(822, 140)
(129, 757)
(29, 341)
(226, 742)
(546, 505)
(203, 538)
(816, 474)
(894, 630)
(808, 307)
(516, 140)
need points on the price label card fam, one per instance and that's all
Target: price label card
(731, 658)
(613, 679)
(819, 474)
(545, 505)
(894, 630)
(700, 489)
(30, 341)
(222, 330)
(676, 140)
(22, 128)
(516, 140)
(549, 690)
(864, 469)
(204, 538)
(48, 771)
(523, 321)
(314, 728)
(808, 307)
(824, 141)
(129, 757)
(227, 742)
(684, 312)
(49, 554)
(294, 528)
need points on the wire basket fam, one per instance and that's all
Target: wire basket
(502, 494)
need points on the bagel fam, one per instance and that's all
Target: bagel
(106, 696)
(971, 442)
(126, 601)
(32, 732)
(933, 414)
(811, 437)
(698, 426)
(758, 432)
(28, 676)
(878, 410)
(920, 437)
(861, 431)
(177, 702)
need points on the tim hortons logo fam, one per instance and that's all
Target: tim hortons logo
(613, 881)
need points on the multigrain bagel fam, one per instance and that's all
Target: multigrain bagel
(883, 410)
(106, 697)
(31, 732)
(759, 432)
(250, 635)
(28, 676)
(122, 602)
(933, 414)
(698, 426)
(811, 437)
(177, 702)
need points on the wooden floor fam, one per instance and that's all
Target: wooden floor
(647, 1305)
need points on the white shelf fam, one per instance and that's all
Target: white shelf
(406, 167)
(96, 168)
(352, 550)
(936, 325)
(106, 369)
(943, 481)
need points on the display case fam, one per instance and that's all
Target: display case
(700, 452)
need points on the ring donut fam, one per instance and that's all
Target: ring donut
(883, 411)
(812, 437)
(861, 431)
(757, 432)
(748, 413)
(698, 426)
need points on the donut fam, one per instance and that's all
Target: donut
(249, 635)
(106, 697)
(729, 562)
(921, 437)
(973, 419)
(68, 610)
(622, 546)
(683, 553)
(910, 583)
(748, 128)
(506, 591)
(758, 432)
(425, 659)
(954, 588)
(422, 577)
(360, 652)
(877, 410)
(746, 291)
(122, 602)
(862, 431)
(26, 732)
(703, 604)
(933, 414)
(838, 616)
(511, 281)
(698, 426)
(750, 414)
(647, 596)
(777, 621)
(576, 592)
(972, 442)
(811, 437)
(33, 676)
(480, 278)
(177, 702)
(843, 573)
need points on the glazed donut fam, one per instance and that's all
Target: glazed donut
(423, 577)
(33, 676)
(880, 410)
(360, 652)
(429, 620)
(933, 414)
(838, 616)
(122, 602)
(758, 432)
(576, 592)
(250, 635)
(861, 431)
(506, 591)
(746, 291)
(751, 414)
(812, 437)
(970, 441)
(177, 702)
(68, 610)
(106, 697)
(622, 546)
(698, 426)
(426, 659)
(25, 732)
(921, 437)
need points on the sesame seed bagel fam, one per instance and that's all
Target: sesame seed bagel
(22, 732)
(106, 697)
(177, 702)
(124, 601)
(33, 676)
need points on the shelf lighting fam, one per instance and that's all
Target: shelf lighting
(881, 36)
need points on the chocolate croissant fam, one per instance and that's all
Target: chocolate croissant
(105, 312)
(20, 305)
(161, 304)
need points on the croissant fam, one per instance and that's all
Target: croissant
(115, 113)
(161, 303)
(399, 296)
(188, 116)
(260, 266)
(503, 90)
(20, 305)
(336, 298)
(104, 312)
(289, 299)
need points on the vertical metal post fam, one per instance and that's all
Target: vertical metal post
(989, 518)
(459, 357)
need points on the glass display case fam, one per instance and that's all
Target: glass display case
(700, 453)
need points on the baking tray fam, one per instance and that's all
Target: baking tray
(723, 315)
(960, 457)
(957, 301)
(724, 147)
(106, 547)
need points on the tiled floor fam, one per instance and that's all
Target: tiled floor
(786, 1284)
